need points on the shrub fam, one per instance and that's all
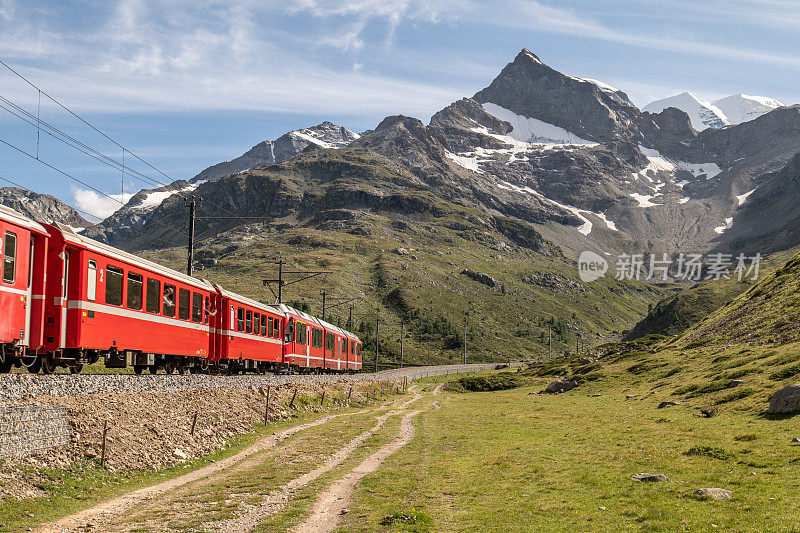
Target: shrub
(710, 451)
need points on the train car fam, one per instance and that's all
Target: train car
(303, 341)
(23, 244)
(102, 301)
(333, 348)
(248, 335)
(354, 353)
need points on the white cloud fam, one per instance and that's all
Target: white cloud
(97, 205)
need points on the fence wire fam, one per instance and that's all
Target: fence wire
(31, 428)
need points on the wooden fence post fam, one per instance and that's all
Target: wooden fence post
(194, 421)
(103, 450)
(349, 394)
(291, 404)
(323, 397)
(266, 413)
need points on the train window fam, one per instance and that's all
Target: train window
(248, 322)
(256, 323)
(113, 285)
(344, 346)
(184, 298)
(91, 281)
(197, 307)
(330, 342)
(240, 320)
(135, 288)
(169, 300)
(353, 347)
(264, 325)
(271, 332)
(10, 258)
(277, 328)
(153, 295)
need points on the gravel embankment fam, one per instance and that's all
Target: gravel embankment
(16, 386)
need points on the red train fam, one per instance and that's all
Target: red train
(66, 300)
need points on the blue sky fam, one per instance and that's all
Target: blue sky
(189, 83)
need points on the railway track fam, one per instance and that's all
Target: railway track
(15, 386)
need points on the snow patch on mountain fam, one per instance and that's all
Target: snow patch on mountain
(531, 130)
(585, 228)
(643, 199)
(154, 199)
(728, 225)
(660, 163)
(740, 108)
(741, 198)
(702, 114)
(466, 161)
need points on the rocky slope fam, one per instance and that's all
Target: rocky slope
(41, 207)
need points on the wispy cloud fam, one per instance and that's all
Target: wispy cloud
(98, 206)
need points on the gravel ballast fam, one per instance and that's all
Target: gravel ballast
(17, 386)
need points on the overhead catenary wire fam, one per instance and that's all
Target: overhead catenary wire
(106, 136)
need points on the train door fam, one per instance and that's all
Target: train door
(26, 341)
(63, 300)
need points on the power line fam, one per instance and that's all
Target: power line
(87, 123)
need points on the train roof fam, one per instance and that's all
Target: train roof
(72, 237)
(21, 220)
(305, 316)
(249, 301)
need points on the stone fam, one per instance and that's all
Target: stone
(664, 405)
(561, 385)
(630, 396)
(785, 400)
(715, 493)
(91, 453)
(649, 478)
(735, 383)
(180, 454)
(344, 511)
(796, 440)
(401, 251)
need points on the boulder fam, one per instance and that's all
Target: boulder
(649, 478)
(796, 440)
(664, 405)
(785, 400)
(180, 454)
(561, 385)
(717, 494)
(735, 383)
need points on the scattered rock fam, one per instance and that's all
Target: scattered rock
(785, 400)
(344, 511)
(735, 383)
(649, 478)
(796, 440)
(708, 412)
(596, 395)
(717, 494)
(480, 277)
(664, 405)
(90, 453)
(630, 396)
(401, 251)
(180, 454)
(561, 385)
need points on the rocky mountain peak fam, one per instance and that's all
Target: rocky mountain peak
(591, 110)
(41, 207)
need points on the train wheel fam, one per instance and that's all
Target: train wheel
(76, 368)
(138, 369)
(33, 363)
(49, 364)
(154, 370)
(169, 368)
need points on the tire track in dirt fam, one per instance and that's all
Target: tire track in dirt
(105, 511)
(277, 500)
(328, 508)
